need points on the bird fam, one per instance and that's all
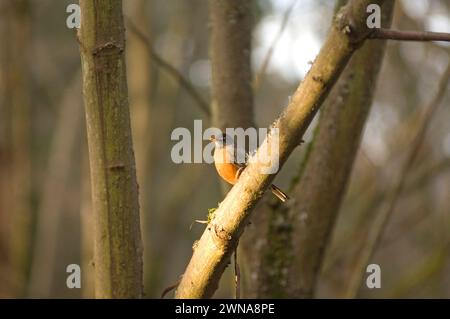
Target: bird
(226, 157)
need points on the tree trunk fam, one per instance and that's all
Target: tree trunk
(230, 55)
(118, 246)
(230, 48)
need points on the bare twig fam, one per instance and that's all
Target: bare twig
(237, 275)
(387, 34)
(169, 289)
(378, 229)
(262, 71)
(184, 83)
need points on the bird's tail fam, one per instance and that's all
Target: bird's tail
(279, 193)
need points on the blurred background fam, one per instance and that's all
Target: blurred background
(45, 205)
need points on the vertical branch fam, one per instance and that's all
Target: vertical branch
(139, 69)
(230, 54)
(237, 275)
(230, 48)
(118, 246)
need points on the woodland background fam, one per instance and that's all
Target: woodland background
(45, 204)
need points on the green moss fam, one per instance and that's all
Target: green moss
(211, 213)
(278, 256)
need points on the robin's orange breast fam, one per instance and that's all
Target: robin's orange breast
(224, 162)
(227, 171)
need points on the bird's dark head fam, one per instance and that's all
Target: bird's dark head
(221, 139)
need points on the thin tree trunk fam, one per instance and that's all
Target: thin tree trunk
(230, 48)
(139, 69)
(118, 246)
(213, 250)
(230, 55)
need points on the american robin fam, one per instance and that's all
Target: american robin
(226, 157)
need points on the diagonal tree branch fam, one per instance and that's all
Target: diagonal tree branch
(297, 236)
(325, 174)
(219, 240)
(387, 34)
(170, 69)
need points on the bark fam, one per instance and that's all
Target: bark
(118, 246)
(213, 250)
